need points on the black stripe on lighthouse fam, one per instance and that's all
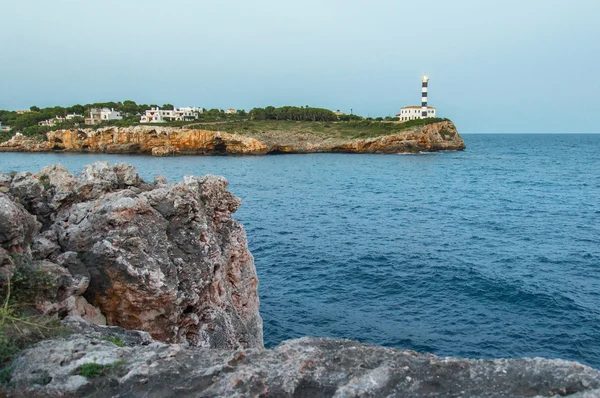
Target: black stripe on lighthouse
(424, 97)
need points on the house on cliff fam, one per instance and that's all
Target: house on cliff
(156, 115)
(52, 122)
(98, 115)
(413, 112)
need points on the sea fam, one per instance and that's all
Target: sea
(490, 252)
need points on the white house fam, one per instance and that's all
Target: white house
(52, 122)
(72, 115)
(156, 115)
(110, 114)
(414, 112)
(230, 111)
(4, 128)
(98, 115)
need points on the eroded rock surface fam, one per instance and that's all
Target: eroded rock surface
(306, 367)
(166, 259)
(168, 141)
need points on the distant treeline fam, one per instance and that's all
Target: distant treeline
(27, 122)
(293, 113)
(20, 120)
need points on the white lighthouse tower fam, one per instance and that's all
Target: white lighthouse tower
(425, 82)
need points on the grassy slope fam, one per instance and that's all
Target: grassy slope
(343, 130)
(346, 130)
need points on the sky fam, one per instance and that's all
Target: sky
(494, 66)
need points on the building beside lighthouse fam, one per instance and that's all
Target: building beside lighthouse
(418, 112)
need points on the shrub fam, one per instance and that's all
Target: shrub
(116, 340)
(93, 369)
(20, 325)
(44, 181)
(27, 282)
(5, 374)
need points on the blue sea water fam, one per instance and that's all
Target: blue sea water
(490, 252)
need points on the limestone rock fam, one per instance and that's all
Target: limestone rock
(307, 367)
(21, 143)
(169, 260)
(45, 246)
(166, 150)
(17, 226)
(168, 141)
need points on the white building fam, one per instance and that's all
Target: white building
(4, 128)
(110, 114)
(414, 112)
(98, 115)
(72, 116)
(156, 115)
(52, 122)
(230, 111)
(418, 112)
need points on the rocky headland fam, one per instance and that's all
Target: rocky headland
(168, 141)
(157, 292)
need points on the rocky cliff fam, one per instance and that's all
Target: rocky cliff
(166, 259)
(166, 141)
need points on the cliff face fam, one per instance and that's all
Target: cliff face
(166, 259)
(165, 141)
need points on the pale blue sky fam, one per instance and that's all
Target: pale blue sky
(495, 66)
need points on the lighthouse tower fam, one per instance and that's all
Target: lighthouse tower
(413, 112)
(425, 81)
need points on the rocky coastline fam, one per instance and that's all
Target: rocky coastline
(157, 290)
(169, 141)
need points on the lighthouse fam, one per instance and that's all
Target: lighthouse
(425, 82)
(414, 112)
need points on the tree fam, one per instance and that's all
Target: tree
(34, 109)
(77, 109)
(129, 107)
(293, 113)
(167, 107)
(27, 120)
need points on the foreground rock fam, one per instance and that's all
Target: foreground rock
(165, 259)
(168, 141)
(307, 367)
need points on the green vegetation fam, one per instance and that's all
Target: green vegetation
(44, 181)
(116, 340)
(92, 370)
(318, 121)
(20, 324)
(445, 133)
(293, 113)
(347, 130)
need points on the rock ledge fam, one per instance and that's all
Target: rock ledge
(306, 367)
